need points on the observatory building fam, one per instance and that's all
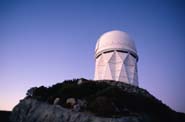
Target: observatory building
(116, 58)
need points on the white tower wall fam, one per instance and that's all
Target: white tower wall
(116, 58)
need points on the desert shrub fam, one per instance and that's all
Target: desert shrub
(41, 93)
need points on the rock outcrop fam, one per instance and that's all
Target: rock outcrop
(95, 101)
(30, 110)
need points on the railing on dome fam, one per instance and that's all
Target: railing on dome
(109, 51)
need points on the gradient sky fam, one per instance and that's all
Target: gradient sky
(45, 42)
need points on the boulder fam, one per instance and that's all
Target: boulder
(82, 103)
(71, 101)
(81, 81)
(56, 101)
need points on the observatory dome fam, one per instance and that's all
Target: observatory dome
(115, 40)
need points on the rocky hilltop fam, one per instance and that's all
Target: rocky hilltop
(81, 100)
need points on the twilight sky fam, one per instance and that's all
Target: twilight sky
(45, 42)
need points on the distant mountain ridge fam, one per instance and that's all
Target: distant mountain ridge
(4, 116)
(81, 100)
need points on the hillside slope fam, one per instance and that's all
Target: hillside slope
(82, 100)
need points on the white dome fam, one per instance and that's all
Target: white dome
(115, 40)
